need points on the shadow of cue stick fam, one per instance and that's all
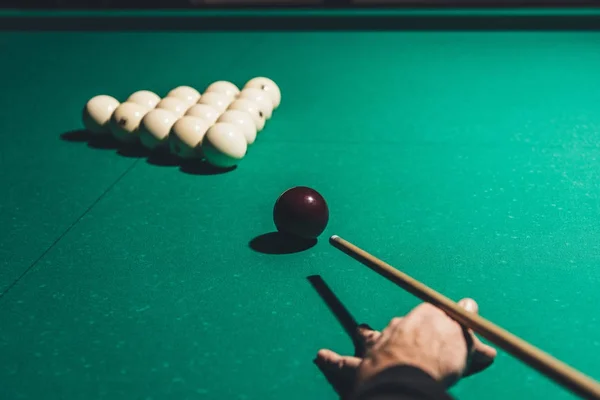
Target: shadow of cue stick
(340, 312)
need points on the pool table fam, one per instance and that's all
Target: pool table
(461, 146)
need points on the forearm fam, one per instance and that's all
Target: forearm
(401, 383)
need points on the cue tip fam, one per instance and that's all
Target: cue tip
(334, 238)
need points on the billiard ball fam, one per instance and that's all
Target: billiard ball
(125, 121)
(251, 108)
(219, 101)
(224, 87)
(268, 86)
(301, 212)
(261, 98)
(186, 93)
(155, 128)
(144, 98)
(97, 113)
(186, 137)
(243, 120)
(224, 145)
(173, 104)
(204, 111)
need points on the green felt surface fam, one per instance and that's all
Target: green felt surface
(469, 160)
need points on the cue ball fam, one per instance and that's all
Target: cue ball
(224, 145)
(125, 121)
(144, 98)
(243, 120)
(204, 111)
(97, 113)
(268, 86)
(301, 212)
(251, 108)
(186, 137)
(186, 93)
(224, 87)
(219, 101)
(259, 97)
(155, 128)
(173, 104)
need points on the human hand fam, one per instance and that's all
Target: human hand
(427, 338)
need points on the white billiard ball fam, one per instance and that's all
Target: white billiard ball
(173, 104)
(268, 86)
(224, 87)
(186, 93)
(219, 101)
(242, 120)
(125, 121)
(251, 108)
(155, 128)
(204, 111)
(224, 145)
(144, 98)
(261, 98)
(186, 137)
(97, 113)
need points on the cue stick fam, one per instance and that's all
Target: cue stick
(553, 368)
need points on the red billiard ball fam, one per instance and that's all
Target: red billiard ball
(301, 212)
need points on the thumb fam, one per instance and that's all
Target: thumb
(333, 361)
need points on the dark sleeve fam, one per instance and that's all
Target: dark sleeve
(401, 383)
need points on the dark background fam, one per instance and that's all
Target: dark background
(195, 4)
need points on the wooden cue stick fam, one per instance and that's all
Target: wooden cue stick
(555, 369)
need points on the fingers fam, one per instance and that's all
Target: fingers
(470, 305)
(367, 335)
(481, 358)
(364, 339)
(482, 355)
(340, 371)
(333, 361)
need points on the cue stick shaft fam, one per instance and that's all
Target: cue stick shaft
(553, 368)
